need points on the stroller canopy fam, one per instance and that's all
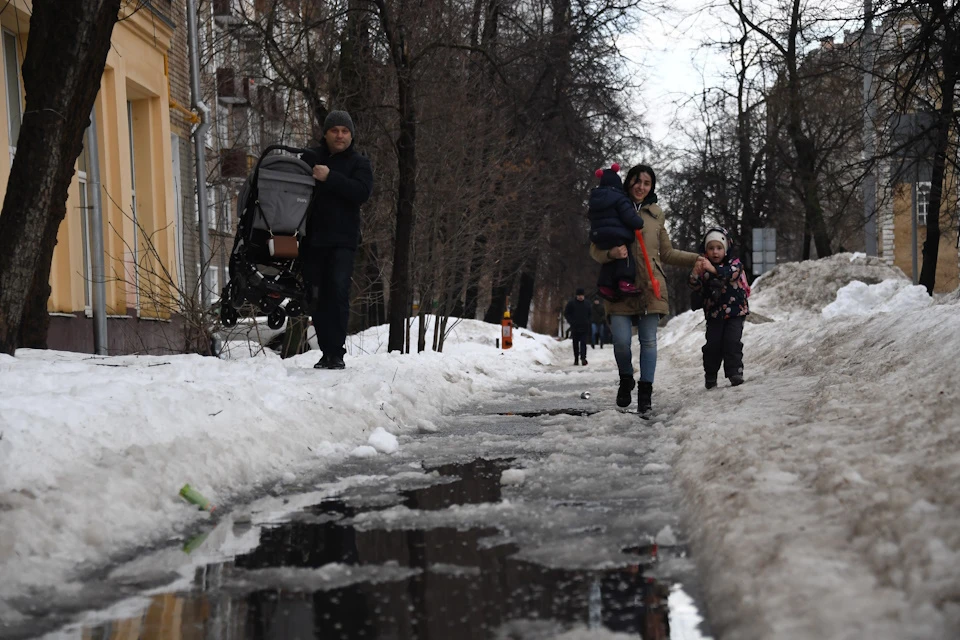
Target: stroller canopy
(284, 189)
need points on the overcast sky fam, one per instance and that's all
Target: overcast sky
(672, 63)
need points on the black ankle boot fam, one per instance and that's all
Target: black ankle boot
(644, 396)
(623, 393)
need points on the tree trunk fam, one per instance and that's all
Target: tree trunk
(406, 194)
(35, 321)
(471, 297)
(68, 49)
(948, 85)
(295, 338)
(400, 291)
(501, 288)
(422, 330)
(528, 279)
(373, 306)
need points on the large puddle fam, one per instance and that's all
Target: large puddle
(316, 576)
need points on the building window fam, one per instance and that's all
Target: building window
(11, 68)
(135, 245)
(213, 279)
(923, 203)
(214, 283)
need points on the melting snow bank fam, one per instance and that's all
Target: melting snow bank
(93, 450)
(823, 493)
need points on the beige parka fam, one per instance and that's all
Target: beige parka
(661, 252)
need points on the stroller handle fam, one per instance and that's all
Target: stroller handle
(275, 147)
(281, 147)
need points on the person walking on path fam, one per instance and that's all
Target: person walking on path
(578, 314)
(598, 323)
(723, 287)
(651, 250)
(344, 181)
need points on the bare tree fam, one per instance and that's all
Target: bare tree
(786, 36)
(61, 77)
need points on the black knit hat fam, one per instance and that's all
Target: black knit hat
(338, 119)
(609, 177)
(579, 291)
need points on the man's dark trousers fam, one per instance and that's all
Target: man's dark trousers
(328, 272)
(724, 346)
(580, 338)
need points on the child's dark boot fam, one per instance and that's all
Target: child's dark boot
(710, 381)
(736, 380)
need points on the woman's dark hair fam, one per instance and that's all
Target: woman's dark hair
(632, 177)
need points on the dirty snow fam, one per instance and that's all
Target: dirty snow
(820, 496)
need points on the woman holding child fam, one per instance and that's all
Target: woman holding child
(643, 310)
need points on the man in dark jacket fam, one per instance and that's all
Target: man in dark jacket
(344, 182)
(577, 313)
(598, 321)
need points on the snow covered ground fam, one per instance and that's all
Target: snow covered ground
(821, 496)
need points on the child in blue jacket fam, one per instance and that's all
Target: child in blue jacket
(613, 221)
(724, 290)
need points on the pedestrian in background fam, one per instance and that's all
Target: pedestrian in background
(598, 323)
(578, 314)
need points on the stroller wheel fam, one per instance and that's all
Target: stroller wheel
(228, 315)
(276, 318)
(294, 309)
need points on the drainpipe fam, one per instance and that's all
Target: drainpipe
(199, 136)
(96, 239)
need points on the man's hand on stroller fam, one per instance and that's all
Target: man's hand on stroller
(320, 172)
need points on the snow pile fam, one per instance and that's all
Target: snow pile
(858, 298)
(822, 493)
(87, 439)
(383, 441)
(810, 286)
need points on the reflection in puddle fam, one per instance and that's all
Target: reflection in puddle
(316, 577)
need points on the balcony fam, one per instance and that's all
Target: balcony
(236, 163)
(224, 13)
(231, 88)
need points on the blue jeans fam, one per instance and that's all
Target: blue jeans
(622, 328)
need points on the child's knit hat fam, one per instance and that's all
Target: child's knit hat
(609, 177)
(719, 235)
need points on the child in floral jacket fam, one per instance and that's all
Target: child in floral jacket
(723, 287)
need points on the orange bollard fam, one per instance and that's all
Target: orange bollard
(506, 326)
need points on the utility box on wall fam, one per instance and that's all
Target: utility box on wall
(764, 250)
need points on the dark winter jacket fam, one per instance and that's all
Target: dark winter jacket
(613, 218)
(334, 219)
(578, 315)
(661, 252)
(597, 313)
(724, 295)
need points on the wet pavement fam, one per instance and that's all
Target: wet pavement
(520, 521)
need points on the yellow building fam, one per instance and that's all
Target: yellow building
(140, 173)
(898, 232)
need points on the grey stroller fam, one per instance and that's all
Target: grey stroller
(265, 267)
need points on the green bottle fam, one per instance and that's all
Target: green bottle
(195, 497)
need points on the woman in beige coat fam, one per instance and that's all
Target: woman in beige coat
(643, 311)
